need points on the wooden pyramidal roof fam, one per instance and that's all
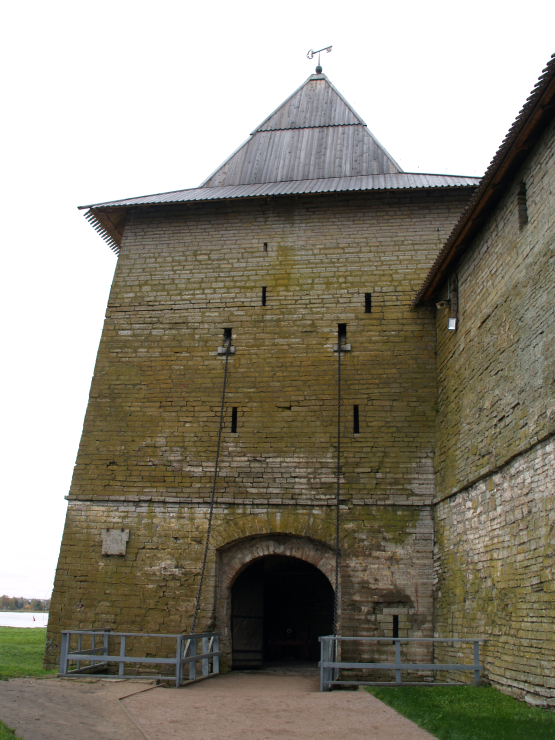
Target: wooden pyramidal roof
(314, 134)
(315, 142)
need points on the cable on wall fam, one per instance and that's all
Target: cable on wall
(228, 351)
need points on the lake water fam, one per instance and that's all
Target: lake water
(23, 619)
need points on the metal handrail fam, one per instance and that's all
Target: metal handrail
(185, 653)
(329, 667)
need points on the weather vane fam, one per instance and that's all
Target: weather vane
(311, 53)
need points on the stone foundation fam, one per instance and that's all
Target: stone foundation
(494, 573)
(385, 566)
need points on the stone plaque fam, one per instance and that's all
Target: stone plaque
(114, 541)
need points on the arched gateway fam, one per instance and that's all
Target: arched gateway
(275, 598)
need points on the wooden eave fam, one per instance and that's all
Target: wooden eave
(522, 137)
(109, 223)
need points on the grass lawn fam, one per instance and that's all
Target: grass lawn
(21, 653)
(469, 712)
(7, 734)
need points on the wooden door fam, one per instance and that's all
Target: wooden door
(247, 617)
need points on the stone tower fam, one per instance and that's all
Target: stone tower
(309, 229)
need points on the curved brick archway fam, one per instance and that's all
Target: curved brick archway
(234, 557)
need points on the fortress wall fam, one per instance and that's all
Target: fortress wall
(386, 565)
(185, 274)
(496, 420)
(146, 457)
(496, 389)
(495, 574)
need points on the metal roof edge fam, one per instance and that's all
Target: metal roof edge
(135, 200)
(109, 218)
(106, 203)
(459, 241)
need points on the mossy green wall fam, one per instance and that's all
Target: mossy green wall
(149, 438)
(494, 460)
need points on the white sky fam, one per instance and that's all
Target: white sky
(115, 99)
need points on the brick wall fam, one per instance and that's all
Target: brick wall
(146, 457)
(495, 575)
(385, 569)
(496, 420)
(496, 389)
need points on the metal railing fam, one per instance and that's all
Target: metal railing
(330, 665)
(97, 656)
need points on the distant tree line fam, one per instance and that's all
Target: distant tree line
(20, 604)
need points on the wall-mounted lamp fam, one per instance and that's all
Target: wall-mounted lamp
(453, 298)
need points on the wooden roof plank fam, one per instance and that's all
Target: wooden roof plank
(315, 115)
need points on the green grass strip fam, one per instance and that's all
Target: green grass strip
(468, 712)
(21, 653)
(7, 734)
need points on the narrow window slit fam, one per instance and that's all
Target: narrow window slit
(227, 336)
(395, 625)
(341, 333)
(234, 420)
(368, 303)
(356, 425)
(265, 246)
(263, 295)
(522, 206)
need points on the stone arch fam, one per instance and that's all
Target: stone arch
(235, 556)
(313, 525)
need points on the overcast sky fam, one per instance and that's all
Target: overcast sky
(115, 99)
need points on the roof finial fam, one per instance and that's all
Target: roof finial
(311, 54)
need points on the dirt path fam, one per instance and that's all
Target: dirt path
(55, 709)
(246, 706)
(237, 706)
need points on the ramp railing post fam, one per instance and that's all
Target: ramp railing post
(178, 663)
(193, 663)
(216, 658)
(63, 653)
(327, 658)
(79, 644)
(326, 654)
(122, 656)
(476, 661)
(105, 645)
(321, 640)
(205, 649)
(397, 661)
(93, 647)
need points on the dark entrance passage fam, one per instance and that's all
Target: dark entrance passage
(279, 607)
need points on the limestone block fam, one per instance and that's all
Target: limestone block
(114, 541)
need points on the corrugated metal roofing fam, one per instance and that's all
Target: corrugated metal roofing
(396, 181)
(315, 133)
